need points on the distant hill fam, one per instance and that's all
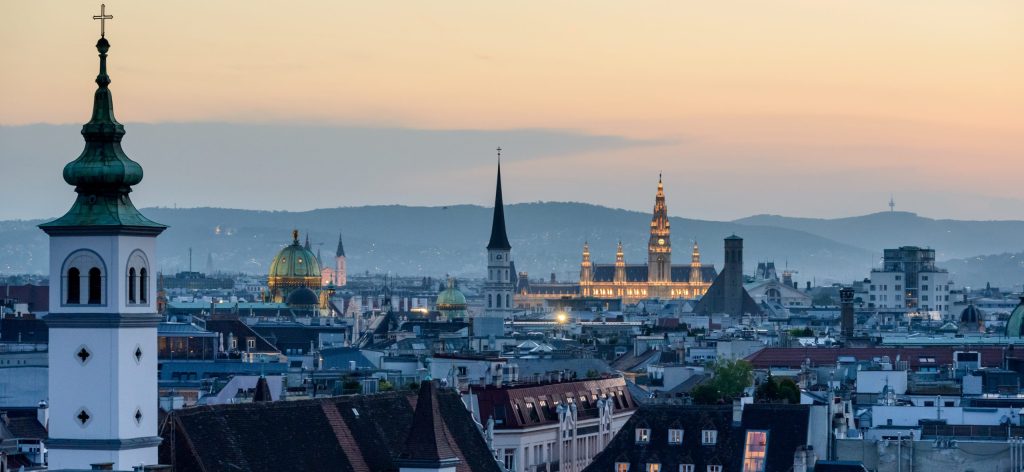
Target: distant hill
(548, 237)
(951, 239)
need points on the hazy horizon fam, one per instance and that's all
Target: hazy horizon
(796, 107)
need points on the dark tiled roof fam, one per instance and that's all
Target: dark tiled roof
(714, 300)
(36, 296)
(349, 433)
(339, 358)
(23, 424)
(839, 466)
(794, 357)
(787, 430)
(520, 406)
(659, 419)
(428, 442)
(240, 331)
(262, 393)
(24, 330)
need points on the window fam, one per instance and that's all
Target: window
(709, 437)
(131, 285)
(143, 285)
(675, 436)
(510, 459)
(754, 452)
(924, 287)
(508, 301)
(250, 344)
(463, 370)
(74, 286)
(653, 468)
(643, 435)
(714, 468)
(95, 286)
(490, 303)
(621, 467)
(686, 467)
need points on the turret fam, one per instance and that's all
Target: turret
(586, 268)
(695, 268)
(620, 265)
(659, 247)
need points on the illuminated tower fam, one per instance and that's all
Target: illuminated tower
(695, 269)
(659, 248)
(620, 265)
(498, 288)
(102, 321)
(586, 271)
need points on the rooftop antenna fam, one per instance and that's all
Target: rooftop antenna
(892, 203)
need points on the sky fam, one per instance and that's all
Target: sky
(793, 107)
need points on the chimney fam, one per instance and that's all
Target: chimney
(846, 321)
(43, 414)
(800, 459)
(737, 411)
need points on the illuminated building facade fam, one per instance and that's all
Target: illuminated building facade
(658, 278)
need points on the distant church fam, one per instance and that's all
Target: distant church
(658, 278)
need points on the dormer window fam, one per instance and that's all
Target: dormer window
(643, 435)
(686, 468)
(709, 437)
(622, 467)
(654, 467)
(675, 436)
(714, 468)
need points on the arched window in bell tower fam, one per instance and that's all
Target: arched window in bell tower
(74, 286)
(143, 285)
(95, 286)
(132, 286)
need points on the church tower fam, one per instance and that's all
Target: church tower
(103, 319)
(659, 248)
(498, 288)
(340, 271)
(620, 265)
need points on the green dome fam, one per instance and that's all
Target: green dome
(295, 261)
(451, 299)
(1015, 324)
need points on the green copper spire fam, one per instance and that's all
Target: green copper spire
(103, 175)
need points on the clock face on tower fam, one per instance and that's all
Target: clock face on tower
(661, 241)
(498, 257)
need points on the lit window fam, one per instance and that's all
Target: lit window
(653, 468)
(675, 436)
(643, 435)
(686, 467)
(709, 437)
(754, 452)
(621, 467)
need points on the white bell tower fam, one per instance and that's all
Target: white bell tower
(102, 321)
(498, 288)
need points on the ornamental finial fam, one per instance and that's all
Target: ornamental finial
(103, 17)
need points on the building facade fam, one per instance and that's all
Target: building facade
(909, 281)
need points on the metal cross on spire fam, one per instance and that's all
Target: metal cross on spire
(103, 17)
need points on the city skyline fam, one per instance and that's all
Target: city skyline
(822, 111)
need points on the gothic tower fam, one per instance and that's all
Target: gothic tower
(340, 270)
(103, 319)
(498, 288)
(586, 271)
(659, 248)
(620, 265)
(695, 268)
(732, 274)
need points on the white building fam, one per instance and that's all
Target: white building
(551, 426)
(909, 281)
(102, 320)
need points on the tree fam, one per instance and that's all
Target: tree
(731, 377)
(385, 386)
(705, 394)
(778, 391)
(789, 391)
(801, 333)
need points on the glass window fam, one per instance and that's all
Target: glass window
(95, 286)
(755, 451)
(709, 436)
(686, 467)
(653, 467)
(643, 435)
(74, 289)
(675, 436)
(621, 467)
(714, 468)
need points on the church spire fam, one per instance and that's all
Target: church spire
(499, 238)
(341, 247)
(103, 175)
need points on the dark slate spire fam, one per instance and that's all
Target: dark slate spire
(341, 248)
(428, 444)
(499, 239)
(262, 391)
(103, 175)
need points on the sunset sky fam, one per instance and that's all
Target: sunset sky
(795, 107)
